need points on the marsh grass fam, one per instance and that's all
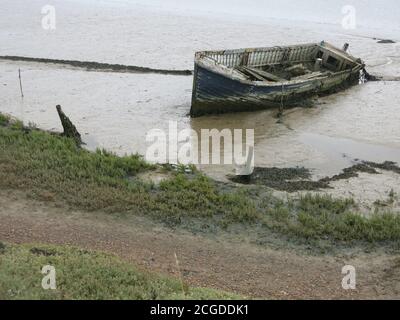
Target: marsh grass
(323, 217)
(52, 168)
(4, 120)
(83, 274)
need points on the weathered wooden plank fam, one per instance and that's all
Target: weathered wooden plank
(266, 75)
(252, 73)
(311, 75)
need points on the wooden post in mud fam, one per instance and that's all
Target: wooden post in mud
(70, 130)
(20, 83)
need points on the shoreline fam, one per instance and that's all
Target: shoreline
(102, 181)
(53, 192)
(80, 199)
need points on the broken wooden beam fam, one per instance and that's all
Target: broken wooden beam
(251, 73)
(70, 130)
(261, 75)
(297, 70)
(268, 76)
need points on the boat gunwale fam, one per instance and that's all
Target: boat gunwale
(202, 60)
(255, 49)
(225, 74)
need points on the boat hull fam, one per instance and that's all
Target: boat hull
(216, 93)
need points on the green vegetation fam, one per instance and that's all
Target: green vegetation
(82, 274)
(4, 120)
(52, 168)
(321, 217)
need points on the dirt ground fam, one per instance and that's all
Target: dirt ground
(220, 261)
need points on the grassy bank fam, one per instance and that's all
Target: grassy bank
(82, 274)
(51, 168)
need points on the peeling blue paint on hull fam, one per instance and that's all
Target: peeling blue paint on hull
(215, 93)
(238, 80)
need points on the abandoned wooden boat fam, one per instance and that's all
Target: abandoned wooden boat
(251, 79)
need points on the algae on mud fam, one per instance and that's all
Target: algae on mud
(98, 66)
(298, 179)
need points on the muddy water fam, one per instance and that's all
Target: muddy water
(361, 123)
(116, 110)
